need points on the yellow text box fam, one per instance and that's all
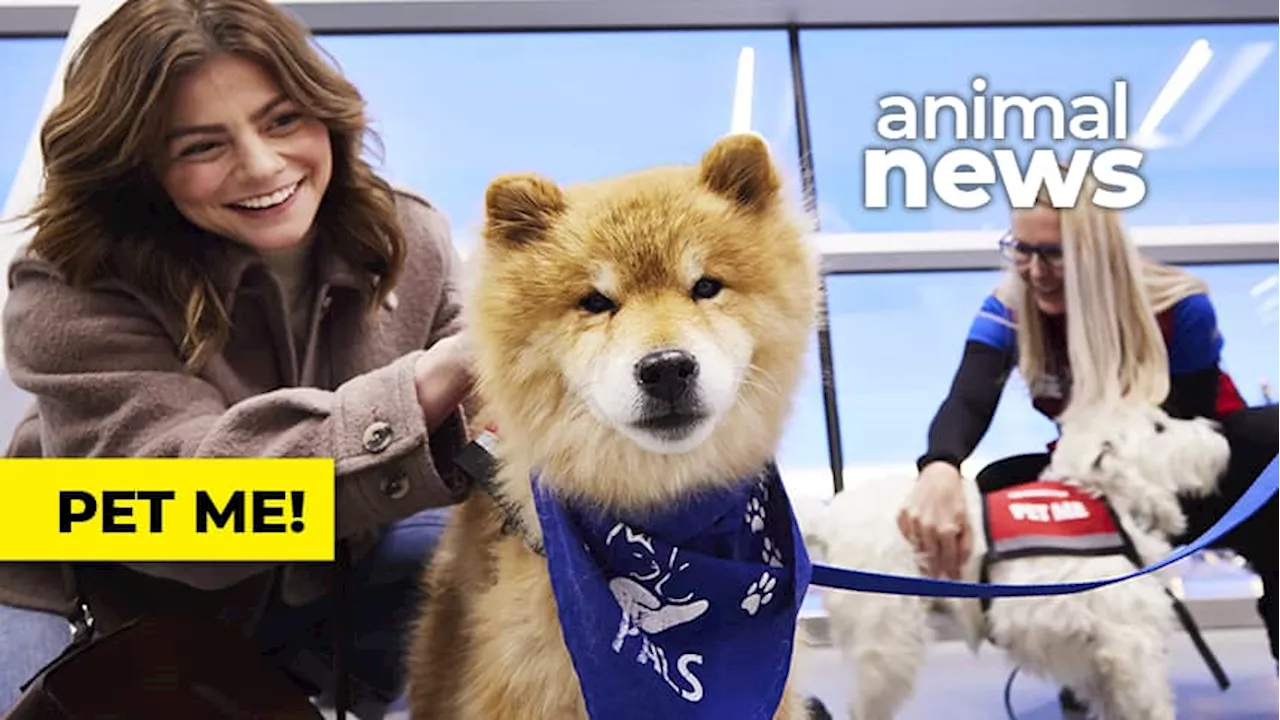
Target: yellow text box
(167, 510)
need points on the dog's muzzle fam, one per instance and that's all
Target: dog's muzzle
(670, 403)
(667, 377)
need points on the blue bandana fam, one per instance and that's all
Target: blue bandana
(691, 614)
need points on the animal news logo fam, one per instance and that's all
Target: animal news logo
(960, 177)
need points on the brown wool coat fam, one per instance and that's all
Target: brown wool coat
(108, 381)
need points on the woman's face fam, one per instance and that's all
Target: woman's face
(241, 160)
(1035, 247)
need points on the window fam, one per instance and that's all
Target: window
(897, 340)
(1215, 159)
(1245, 297)
(24, 96)
(454, 111)
(1210, 161)
(805, 456)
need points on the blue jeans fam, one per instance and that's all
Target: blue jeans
(384, 599)
(28, 640)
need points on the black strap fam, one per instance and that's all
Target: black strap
(1197, 639)
(1180, 609)
(341, 638)
(80, 617)
(1185, 619)
(476, 463)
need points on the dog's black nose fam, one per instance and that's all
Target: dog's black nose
(666, 374)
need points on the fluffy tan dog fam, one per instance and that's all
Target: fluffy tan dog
(638, 341)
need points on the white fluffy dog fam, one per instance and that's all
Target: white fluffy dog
(1107, 644)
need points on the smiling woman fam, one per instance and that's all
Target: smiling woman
(211, 276)
(242, 159)
(241, 113)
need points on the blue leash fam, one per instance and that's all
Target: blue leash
(1259, 493)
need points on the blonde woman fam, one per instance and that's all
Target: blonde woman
(1083, 317)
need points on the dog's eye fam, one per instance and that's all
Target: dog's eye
(706, 288)
(1159, 427)
(596, 302)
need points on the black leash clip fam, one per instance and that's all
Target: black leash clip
(476, 461)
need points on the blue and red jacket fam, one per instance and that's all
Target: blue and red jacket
(1198, 386)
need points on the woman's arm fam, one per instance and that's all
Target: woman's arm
(1195, 351)
(966, 413)
(444, 377)
(109, 383)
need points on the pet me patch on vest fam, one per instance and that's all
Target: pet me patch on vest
(1045, 517)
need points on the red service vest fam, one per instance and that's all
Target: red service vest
(1045, 517)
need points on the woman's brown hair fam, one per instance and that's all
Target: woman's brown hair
(102, 214)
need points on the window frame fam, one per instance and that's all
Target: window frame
(978, 250)
(56, 17)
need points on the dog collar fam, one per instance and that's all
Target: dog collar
(476, 462)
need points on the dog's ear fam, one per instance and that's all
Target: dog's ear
(521, 208)
(1104, 453)
(739, 168)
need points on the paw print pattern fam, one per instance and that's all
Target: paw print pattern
(772, 555)
(755, 515)
(759, 594)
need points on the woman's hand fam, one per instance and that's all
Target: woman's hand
(443, 379)
(935, 521)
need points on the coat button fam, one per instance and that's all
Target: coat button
(377, 437)
(395, 487)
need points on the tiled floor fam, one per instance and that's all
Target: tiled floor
(958, 686)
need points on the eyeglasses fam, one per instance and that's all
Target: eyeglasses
(1021, 253)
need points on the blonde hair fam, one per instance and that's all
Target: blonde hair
(1114, 344)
